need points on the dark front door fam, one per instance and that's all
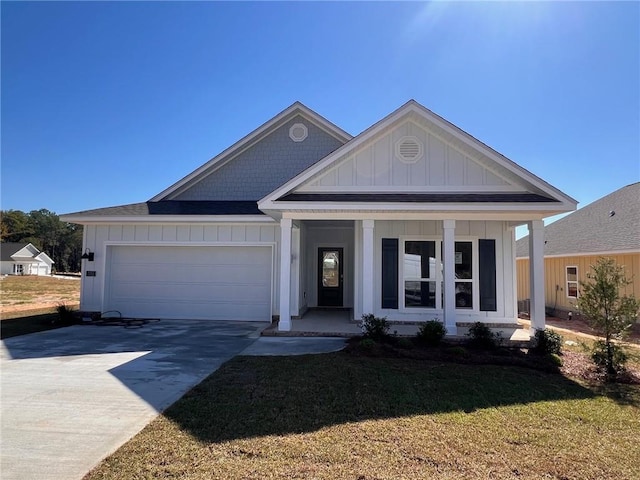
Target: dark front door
(330, 277)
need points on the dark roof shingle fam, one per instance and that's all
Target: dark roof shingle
(176, 207)
(9, 248)
(609, 224)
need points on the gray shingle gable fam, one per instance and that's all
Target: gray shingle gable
(265, 166)
(591, 229)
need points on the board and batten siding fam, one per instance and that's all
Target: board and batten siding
(430, 229)
(555, 292)
(98, 237)
(376, 167)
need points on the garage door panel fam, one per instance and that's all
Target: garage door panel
(197, 310)
(194, 273)
(206, 293)
(226, 283)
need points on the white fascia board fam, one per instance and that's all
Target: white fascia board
(545, 210)
(25, 252)
(167, 219)
(250, 139)
(587, 254)
(376, 215)
(44, 257)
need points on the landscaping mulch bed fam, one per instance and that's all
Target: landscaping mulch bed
(578, 365)
(572, 363)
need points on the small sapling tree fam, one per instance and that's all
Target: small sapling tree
(609, 313)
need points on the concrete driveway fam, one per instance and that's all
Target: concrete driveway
(72, 396)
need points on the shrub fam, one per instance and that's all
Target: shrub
(609, 356)
(367, 344)
(65, 313)
(609, 312)
(431, 332)
(374, 327)
(458, 351)
(555, 359)
(548, 341)
(405, 343)
(481, 336)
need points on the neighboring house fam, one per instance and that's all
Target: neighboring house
(608, 227)
(412, 219)
(23, 259)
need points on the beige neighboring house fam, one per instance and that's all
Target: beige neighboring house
(24, 259)
(608, 227)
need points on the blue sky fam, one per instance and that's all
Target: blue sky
(110, 103)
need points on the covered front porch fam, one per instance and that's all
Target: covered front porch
(455, 270)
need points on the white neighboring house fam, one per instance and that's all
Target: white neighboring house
(24, 259)
(412, 219)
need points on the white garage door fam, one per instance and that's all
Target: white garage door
(218, 283)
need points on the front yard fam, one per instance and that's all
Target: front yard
(20, 293)
(28, 303)
(340, 416)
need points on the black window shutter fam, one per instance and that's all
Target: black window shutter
(390, 273)
(487, 264)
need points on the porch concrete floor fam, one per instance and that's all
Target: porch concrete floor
(339, 323)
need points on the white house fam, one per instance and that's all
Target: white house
(412, 219)
(23, 259)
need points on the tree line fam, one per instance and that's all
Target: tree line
(62, 241)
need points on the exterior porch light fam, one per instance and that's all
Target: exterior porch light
(87, 255)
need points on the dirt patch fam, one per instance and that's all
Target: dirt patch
(26, 293)
(581, 327)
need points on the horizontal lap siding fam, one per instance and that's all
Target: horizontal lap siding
(555, 277)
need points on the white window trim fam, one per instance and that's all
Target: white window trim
(438, 310)
(567, 281)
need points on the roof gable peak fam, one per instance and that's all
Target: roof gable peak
(442, 128)
(296, 108)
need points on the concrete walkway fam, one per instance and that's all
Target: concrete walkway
(267, 346)
(70, 397)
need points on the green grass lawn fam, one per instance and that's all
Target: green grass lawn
(341, 416)
(35, 290)
(31, 323)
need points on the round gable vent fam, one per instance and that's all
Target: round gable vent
(409, 149)
(298, 132)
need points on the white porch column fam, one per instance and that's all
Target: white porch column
(367, 266)
(284, 325)
(536, 276)
(448, 261)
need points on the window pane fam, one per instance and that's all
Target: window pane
(572, 274)
(463, 260)
(419, 259)
(330, 269)
(420, 294)
(464, 297)
(572, 290)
